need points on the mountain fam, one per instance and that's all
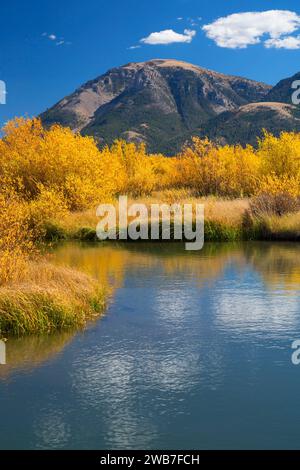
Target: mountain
(245, 124)
(165, 102)
(283, 91)
(160, 102)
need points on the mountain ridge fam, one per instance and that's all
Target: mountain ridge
(163, 102)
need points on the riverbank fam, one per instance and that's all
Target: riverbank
(225, 220)
(49, 298)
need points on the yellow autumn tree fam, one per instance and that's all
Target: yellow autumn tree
(32, 158)
(280, 163)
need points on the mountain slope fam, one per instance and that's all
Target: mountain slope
(159, 102)
(282, 92)
(246, 124)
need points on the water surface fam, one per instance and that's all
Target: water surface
(194, 351)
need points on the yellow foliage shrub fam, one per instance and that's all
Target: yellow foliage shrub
(15, 238)
(47, 207)
(231, 171)
(280, 156)
(55, 159)
(284, 184)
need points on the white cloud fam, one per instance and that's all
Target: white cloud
(59, 41)
(168, 36)
(289, 42)
(131, 48)
(241, 30)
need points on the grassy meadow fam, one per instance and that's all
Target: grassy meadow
(52, 181)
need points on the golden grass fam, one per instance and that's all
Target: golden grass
(224, 218)
(285, 227)
(49, 298)
(227, 211)
(76, 221)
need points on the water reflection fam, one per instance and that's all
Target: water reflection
(278, 263)
(256, 311)
(192, 347)
(29, 352)
(241, 305)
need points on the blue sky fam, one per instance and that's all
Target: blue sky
(47, 49)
